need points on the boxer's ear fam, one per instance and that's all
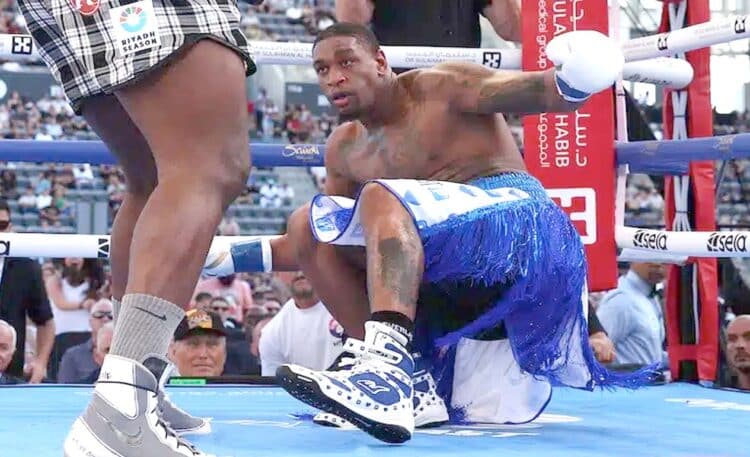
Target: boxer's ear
(382, 63)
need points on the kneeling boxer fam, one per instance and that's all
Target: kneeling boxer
(426, 187)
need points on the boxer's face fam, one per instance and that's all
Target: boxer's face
(738, 344)
(349, 73)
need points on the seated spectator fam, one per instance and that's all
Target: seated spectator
(115, 191)
(59, 200)
(106, 170)
(305, 124)
(292, 124)
(43, 199)
(83, 176)
(202, 301)
(239, 359)
(101, 349)
(632, 315)
(254, 314)
(222, 307)
(53, 127)
(272, 306)
(43, 134)
(27, 201)
(49, 217)
(72, 292)
(231, 285)
(78, 362)
(200, 346)
(270, 116)
(281, 341)
(269, 195)
(65, 177)
(7, 349)
(8, 184)
(738, 350)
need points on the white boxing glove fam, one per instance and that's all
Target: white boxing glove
(587, 62)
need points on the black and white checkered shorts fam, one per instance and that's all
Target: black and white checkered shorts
(94, 47)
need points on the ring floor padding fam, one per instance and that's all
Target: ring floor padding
(676, 420)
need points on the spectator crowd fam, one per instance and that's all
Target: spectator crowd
(56, 314)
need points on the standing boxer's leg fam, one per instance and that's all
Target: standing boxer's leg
(193, 114)
(112, 124)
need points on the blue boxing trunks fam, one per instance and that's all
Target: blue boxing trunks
(502, 243)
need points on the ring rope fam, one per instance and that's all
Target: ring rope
(662, 71)
(693, 244)
(54, 245)
(639, 68)
(655, 157)
(668, 246)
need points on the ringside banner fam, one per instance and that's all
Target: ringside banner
(573, 153)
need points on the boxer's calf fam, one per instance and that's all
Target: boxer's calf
(395, 258)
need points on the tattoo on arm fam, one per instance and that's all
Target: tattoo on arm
(477, 89)
(516, 93)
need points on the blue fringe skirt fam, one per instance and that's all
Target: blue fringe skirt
(504, 257)
(529, 253)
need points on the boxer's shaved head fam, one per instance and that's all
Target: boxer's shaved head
(362, 34)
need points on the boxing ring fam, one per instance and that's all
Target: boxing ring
(672, 420)
(676, 420)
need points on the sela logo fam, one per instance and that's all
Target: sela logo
(727, 242)
(650, 240)
(739, 25)
(492, 59)
(372, 386)
(21, 44)
(661, 42)
(4, 247)
(565, 198)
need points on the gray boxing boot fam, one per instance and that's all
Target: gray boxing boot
(179, 420)
(122, 419)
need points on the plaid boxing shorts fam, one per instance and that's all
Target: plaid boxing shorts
(95, 47)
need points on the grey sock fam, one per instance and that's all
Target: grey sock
(145, 327)
(115, 309)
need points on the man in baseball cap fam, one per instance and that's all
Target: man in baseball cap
(200, 347)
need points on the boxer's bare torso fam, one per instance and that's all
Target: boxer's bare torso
(426, 137)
